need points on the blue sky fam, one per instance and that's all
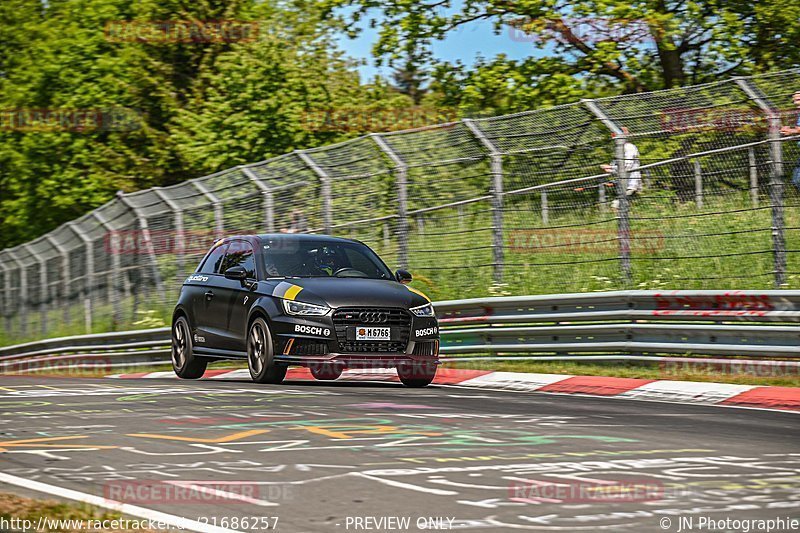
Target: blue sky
(465, 43)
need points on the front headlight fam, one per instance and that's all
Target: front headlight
(423, 310)
(303, 309)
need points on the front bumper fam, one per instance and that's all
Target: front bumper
(360, 360)
(309, 341)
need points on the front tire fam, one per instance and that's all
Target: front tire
(260, 352)
(417, 375)
(184, 362)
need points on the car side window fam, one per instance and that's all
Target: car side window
(240, 253)
(213, 262)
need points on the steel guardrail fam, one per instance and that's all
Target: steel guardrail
(608, 325)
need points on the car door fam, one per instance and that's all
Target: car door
(239, 295)
(204, 288)
(226, 316)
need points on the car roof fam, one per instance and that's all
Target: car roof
(291, 236)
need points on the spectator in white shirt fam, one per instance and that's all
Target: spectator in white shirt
(631, 164)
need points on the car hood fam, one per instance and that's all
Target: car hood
(351, 292)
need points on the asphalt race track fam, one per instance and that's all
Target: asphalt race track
(380, 457)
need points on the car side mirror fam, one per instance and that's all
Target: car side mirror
(236, 272)
(403, 276)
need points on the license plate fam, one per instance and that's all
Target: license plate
(364, 333)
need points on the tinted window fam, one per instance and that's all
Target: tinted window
(306, 257)
(240, 253)
(213, 261)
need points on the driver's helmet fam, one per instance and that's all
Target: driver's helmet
(325, 260)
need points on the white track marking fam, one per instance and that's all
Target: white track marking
(124, 508)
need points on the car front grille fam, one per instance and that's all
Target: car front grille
(398, 319)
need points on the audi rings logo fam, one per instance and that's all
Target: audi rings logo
(373, 317)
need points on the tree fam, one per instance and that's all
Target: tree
(639, 46)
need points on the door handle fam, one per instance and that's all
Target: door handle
(209, 295)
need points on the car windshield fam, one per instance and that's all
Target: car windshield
(311, 258)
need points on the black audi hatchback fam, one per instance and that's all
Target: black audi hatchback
(320, 302)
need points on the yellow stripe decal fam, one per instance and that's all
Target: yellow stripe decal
(292, 292)
(415, 291)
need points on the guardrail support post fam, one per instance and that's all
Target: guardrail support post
(266, 193)
(496, 165)
(698, 183)
(325, 190)
(776, 177)
(66, 278)
(401, 180)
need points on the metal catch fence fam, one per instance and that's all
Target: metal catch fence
(530, 203)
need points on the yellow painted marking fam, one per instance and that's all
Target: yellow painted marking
(292, 292)
(230, 438)
(37, 443)
(344, 432)
(415, 291)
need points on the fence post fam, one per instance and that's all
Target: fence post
(89, 275)
(496, 161)
(751, 159)
(601, 197)
(219, 213)
(6, 300)
(401, 175)
(42, 288)
(266, 193)
(776, 177)
(623, 220)
(114, 278)
(148, 244)
(66, 279)
(698, 183)
(325, 189)
(180, 233)
(23, 293)
(545, 208)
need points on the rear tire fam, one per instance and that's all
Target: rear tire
(417, 375)
(184, 362)
(326, 372)
(260, 355)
